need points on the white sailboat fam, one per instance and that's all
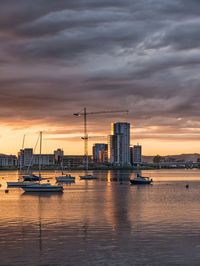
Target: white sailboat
(47, 187)
(141, 180)
(87, 176)
(65, 178)
(38, 187)
(19, 183)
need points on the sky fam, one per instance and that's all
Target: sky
(57, 57)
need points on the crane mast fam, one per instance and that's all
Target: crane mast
(85, 137)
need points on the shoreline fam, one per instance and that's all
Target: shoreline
(97, 168)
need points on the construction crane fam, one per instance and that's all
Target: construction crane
(85, 137)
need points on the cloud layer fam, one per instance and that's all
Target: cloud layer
(59, 56)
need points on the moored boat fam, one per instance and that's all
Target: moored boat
(88, 177)
(141, 180)
(42, 188)
(66, 178)
(19, 184)
(38, 187)
(32, 178)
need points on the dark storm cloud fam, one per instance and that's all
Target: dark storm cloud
(181, 36)
(59, 56)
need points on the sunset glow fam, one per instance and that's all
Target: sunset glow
(56, 60)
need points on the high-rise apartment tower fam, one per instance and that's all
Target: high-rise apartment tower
(119, 142)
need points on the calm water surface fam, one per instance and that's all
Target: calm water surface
(103, 222)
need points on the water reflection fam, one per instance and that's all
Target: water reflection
(116, 208)
(120, 176)
(41, 194)
(105, 221)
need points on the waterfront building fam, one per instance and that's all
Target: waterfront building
(103, 156)
(119, 143)
(44, 159)
(8, 160)
(131, 154)
(137, 154)
(25, 157)
(75, 160)
(58, 155)
(100, 151)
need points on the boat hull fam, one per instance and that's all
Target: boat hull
(88, 177)
(140, 182)
(65, 179)
(19, 184)
(42, 189)
(32, 178)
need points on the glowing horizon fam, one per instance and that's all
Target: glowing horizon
(11, 141)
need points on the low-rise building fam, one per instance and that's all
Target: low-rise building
(75, 160)
(137, 154)
(25, 157)
(44, 159)
(100, 152)
(58, 154)
(8, 160)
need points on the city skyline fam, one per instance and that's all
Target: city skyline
(73, 144)
(30, 140)
(58, 58)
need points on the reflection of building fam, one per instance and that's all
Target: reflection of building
(100, 151)
(116, 201)
(8, 160)
(119, 142)
(75, 160)
(137, 154)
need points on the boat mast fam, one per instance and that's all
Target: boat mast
(40, 157)
(85, 139)
(22, 150)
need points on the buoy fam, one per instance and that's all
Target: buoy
(6, 191)
(187, 186)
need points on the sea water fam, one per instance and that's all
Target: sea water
(103, 222)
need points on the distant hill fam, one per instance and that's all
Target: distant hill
(181, 157)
